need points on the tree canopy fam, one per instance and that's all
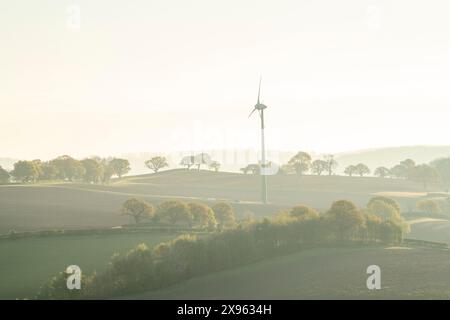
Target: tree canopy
(25, 171)
(350, 170)
(362, 169)
(303, 212)
(119, 166)
(319, 166)
(442, 166)
(424, 174)
(382, 172)
(156, 163)
(174, 212)
(138, 209)
(301, 162)
(224, 214)
(202, 215)
(346, 218)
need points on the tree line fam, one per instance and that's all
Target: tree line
(302, 163)
(202, 159)
(66, 168)
(187, 256)
(101, 170)
(93, 169)
(176, 212)
(425, 174)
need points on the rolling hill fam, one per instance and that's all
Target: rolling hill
(406, 273)
(389, 157)
(71, 205)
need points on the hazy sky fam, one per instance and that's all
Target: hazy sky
(168, 75)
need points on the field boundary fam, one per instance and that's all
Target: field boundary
(427, 244)
(100, 231)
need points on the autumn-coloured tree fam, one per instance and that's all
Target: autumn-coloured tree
(388, 210)
(303, 212)
(202, 215)
(93, 170)
(346, 218)
(174, 212)
(138, 209)
(69, 168)
(224, 214)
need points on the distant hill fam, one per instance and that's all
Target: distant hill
(233, 160)
(389, 157)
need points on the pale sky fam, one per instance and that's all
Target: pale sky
(161, 76)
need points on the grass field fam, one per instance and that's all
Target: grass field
(431, 230)
(71, 206)
(25, 264)
(406, 273)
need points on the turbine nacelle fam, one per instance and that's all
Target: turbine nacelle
(260, 106)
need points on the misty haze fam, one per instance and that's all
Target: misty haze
(243, 150)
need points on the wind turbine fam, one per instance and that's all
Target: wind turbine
(260, 107)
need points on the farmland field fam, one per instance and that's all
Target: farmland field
(72, 206)
(26, 264)
(406, 273)
(29, 262)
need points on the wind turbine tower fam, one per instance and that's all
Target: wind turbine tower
(260, 108)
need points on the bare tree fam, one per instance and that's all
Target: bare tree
(156, 163)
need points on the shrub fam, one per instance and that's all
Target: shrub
(430, 207)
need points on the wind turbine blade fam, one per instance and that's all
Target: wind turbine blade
(251, 112)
